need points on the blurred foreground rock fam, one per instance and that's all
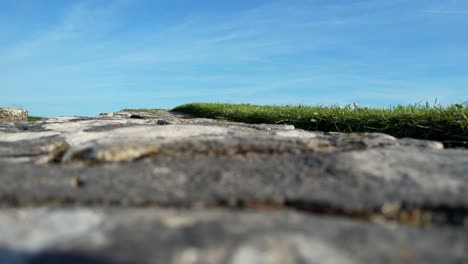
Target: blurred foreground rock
(13, 114)
(161, 187)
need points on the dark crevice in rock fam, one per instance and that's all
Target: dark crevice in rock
(455, 144)
(58, 154)
(162, 122)
(440, 214)
(135, 116)
(412, 216)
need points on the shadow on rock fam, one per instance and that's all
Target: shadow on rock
(12, 256)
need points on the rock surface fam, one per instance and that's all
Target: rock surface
(13, 114)
(90, 235)
(161, 187)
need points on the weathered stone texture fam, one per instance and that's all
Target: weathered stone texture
(139, 187)
(96, 235)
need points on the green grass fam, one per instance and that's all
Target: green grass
(446, 124)
(34, 118)
(153, 110)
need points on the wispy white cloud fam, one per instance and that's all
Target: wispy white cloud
(446, 12)
(447, 7)
(191, 40)
(73, 46)
(332, 22)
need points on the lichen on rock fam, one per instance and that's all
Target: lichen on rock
(8, 114)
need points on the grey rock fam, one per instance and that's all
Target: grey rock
(39, 151)
(346, 183)
(8, 114)
(421, 143)
(354, 198)
(215, 236)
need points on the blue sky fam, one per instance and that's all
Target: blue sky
(87, 57)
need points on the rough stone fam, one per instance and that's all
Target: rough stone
(206, 191)
(96, 235)
(8, 114)
(40, 150)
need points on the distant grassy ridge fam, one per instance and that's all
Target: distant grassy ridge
(446, 124)
(34, 118)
